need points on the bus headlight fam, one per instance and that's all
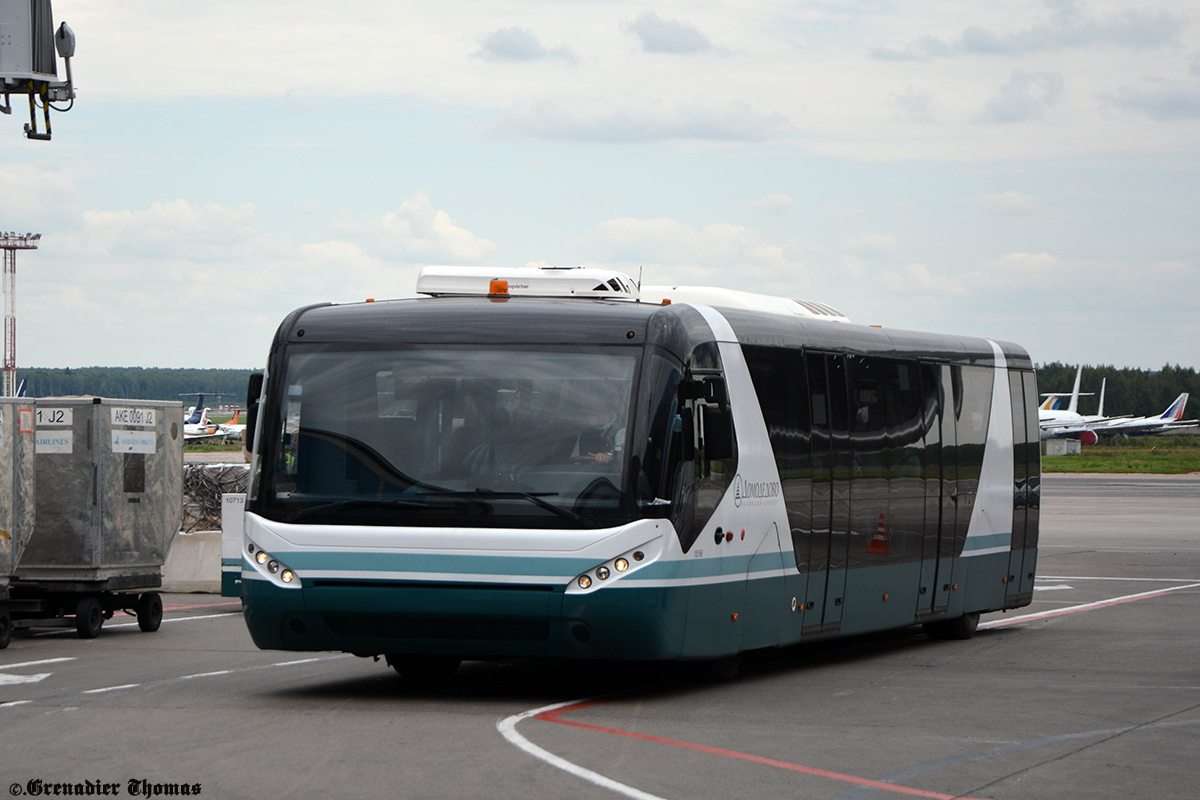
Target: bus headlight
(585, 581)
(621, 565)
(602, 573)
(272, 568)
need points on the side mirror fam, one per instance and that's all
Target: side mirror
(687, 438)
(718, 433)
(715, 392)
(656, 509)
(253, 393)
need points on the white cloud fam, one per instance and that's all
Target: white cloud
(872, 245)
(778, 204)
(416, 232)
(1011, 203)
(141, 282)
(852, 267)
(1162, 100)
(37, 200)
(1066, 28)
(520, 44)
(914, 105)
(720, 254)
(640, 122)
(1026, 96)
(660, 35)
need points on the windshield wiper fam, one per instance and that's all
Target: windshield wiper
(533, 497)
(356, 502)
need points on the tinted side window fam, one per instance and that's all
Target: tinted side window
(706, 429)
(780, 380)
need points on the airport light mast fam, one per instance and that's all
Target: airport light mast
(10, 243)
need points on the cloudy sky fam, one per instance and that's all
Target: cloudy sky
(1020, 170)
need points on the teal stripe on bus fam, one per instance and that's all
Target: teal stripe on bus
(988, 542)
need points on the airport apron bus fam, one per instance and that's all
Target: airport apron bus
(556, 462)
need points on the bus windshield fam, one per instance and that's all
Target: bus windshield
(442, 435)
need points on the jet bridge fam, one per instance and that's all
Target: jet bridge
(28, 66)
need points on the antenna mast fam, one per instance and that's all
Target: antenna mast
(10, 243)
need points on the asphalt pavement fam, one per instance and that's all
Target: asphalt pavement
(1091, 692)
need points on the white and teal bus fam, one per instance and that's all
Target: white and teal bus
(557, 463)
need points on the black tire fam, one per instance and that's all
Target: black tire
(89, 617)
(958, 628)
(719, 670)
(423, 667)
(6, 629)
(149, 611)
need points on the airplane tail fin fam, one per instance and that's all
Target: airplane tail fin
(1100, 411)
(1175, 410)
(197, 412)
(1075, 391)
(237, 417)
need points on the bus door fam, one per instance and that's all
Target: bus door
(943, 582)
(937, 540)
(830, 540)
(1026, 477)
(822, 481)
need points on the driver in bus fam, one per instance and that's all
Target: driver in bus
(601, 435)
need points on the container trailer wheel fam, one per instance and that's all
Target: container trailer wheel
(89, 616)
(6, 629)
(958, 628)
(149, 611)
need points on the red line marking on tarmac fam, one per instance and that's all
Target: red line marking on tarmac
(553, 716)
(201, 605)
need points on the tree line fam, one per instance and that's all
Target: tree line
(139, 383)
(1128, 391)
(1138, 392)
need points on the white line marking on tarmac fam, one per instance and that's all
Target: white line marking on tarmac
(206, 674)
(111, 688)
(178, 619)
(15, 680)
(508, 729)
(1129, 598)
(1102, 578)
(166, 681)
(1058, 587)
(36, 663)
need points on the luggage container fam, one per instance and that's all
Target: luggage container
(109, 501)
(16, 496)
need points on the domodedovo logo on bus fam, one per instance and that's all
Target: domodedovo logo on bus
(753, 493)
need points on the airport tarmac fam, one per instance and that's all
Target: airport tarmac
(1091, 692)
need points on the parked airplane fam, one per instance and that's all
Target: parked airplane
(194, 413)
(234, 427)
(1056, 423)
(1171, 418)
(201, 428)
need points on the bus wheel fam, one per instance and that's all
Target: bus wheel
(423, 666)
(957, 628)
(89, 616)
(719, 670)
(6, 628)
(149, 611)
